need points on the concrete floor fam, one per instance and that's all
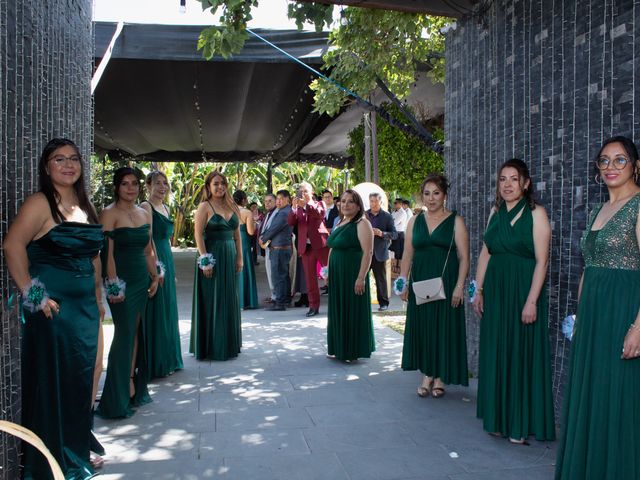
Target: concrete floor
(282, 410)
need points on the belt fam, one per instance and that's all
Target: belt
(284, 247)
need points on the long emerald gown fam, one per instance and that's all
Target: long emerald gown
(131, 266)
(514, 377)
(601, 418)
(349, 326)
(215, 315)
(59, 354)
(162, 338)
(435, 340)
(247, 289)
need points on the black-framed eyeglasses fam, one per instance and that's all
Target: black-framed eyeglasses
(618, 163)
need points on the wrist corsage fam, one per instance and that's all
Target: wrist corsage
(160, 268)
(399, 285)
(473, 289)
(114, 287)
(568, 325)
(206, 262)
(34, 296)
(324, 272)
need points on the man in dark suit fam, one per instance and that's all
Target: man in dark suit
(277, 238)
(308, 215)
(384, 231)
(270, 206)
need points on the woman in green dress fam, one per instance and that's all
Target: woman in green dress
(51, 252)
(600, 438)
(131, 278)
(162, 339)
(349, 327)
(215, 315)
(514, 376)
(247, 289)
(436, 245)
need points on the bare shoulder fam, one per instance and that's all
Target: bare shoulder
(146, 206)
(539, 213)
(107, 216)
(36, 204)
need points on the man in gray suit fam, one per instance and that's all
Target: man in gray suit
(384, 231)
(277, 238)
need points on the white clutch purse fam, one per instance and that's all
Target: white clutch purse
(429, 290)
(432, 289)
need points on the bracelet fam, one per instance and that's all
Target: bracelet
(114, 287)
(634, 327)
(34, 296)
(206, 261)
(324, 272)
(160, 268)
(399, 285)
(458, 286)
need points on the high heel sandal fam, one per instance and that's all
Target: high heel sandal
(425, 390)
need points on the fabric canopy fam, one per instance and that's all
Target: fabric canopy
(158, 99)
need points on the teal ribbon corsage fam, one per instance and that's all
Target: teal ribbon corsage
(399, 285)
(160, 268)
(34, 296)
(568, 325)
(206, 261)
(473, 288)
(324, 272)
(114, 287)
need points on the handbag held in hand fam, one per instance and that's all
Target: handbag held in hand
(432, 289)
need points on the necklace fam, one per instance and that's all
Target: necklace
(128, 212)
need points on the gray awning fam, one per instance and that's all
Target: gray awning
(159, 99)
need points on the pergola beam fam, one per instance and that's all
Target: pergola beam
(444, 8)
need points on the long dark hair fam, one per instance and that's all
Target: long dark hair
(523, 174)
(49, 190)
(119, 175)
(358, 201)
(227, 196)
(240, 197)
(629, 147)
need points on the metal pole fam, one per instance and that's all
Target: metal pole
(367, 148)
(374, 147)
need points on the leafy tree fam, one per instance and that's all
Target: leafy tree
(403, 160)
(374, 47)
(370, 49)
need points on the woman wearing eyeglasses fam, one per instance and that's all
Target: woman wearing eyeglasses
(51, 252)
(600, 438)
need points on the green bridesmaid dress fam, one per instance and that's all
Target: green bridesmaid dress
(162, 339)
(247, 289)
(215, 315)
(435, 338)
(131, 266)
(514, 375)
(600, 433)
(59, 354)
(349, 326)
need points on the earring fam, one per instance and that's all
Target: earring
(636, 172)
(598, 179)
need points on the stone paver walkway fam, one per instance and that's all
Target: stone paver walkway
(283, 411)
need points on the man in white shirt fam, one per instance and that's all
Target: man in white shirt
(400, 221)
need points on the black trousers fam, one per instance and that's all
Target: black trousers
(379, 270)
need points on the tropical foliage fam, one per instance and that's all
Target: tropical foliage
(187, 180)
(403, 160)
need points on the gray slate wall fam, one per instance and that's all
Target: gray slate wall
(46, 61)
(546, 81)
